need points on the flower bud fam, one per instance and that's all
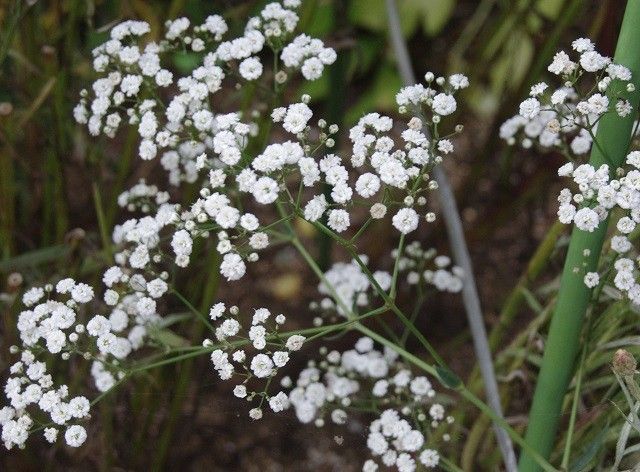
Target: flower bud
(623, 363)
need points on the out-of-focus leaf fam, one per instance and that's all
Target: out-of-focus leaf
(367, 53)
(369, 14)
(186, 62)
(316, 89)
(37, 103)
(509, 70)
(612, 292)
(532, 301)
(431, 14)
(34, 258)
(323, 20)
(550, 8)
(435, 14)
(380, 96)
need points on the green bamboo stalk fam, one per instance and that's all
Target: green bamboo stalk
(584, 251)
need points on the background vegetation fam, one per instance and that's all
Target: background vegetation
(57, 210)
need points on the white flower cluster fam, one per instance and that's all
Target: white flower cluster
(365, 376)
(142, 197)
(346, 286)
(271, 353)
(392, 438)
(185, 127)
(441, 274)
(598, 195)
(49, 327)
(238, 172)
(350, 285)
(190, 137)
(377, 169)
(566, 118)
(309, 55)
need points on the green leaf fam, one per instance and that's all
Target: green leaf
(448, 378)
(168, 338)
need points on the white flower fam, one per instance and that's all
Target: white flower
(217, 310)
(459, 81)
(295, 342)
(338, 220)
(530, 108)
(312, 68)
(280, 358)
(75, 436)
(586, 219)
(82, 293)
(406, 220)
(65, 285)
(378, 210)
(250, 68)
(56, 340)
(412, 441)
(591, 61)
(98, 326)
(279, 402)
(429, 458)
(566, 213)
(298, 114)
(51, 434)
(538, 89)
(561, 64)
(582, 45)
(444, 104)
(262, 366)
(591, 279)
(265, 190)
(367, 185)
(240, 391)
(232, 266)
